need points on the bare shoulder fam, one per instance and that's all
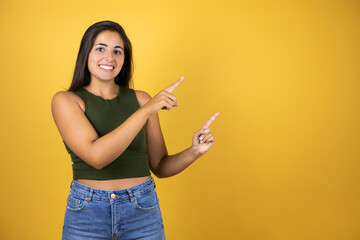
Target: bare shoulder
(73, 125)
(142, 96)
(63, 98)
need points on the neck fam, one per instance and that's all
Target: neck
(101, 88)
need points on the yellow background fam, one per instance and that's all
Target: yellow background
(285, 76)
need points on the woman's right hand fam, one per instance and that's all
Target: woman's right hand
(164, 99)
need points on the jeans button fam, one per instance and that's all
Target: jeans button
(112, 196)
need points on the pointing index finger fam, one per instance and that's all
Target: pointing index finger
(175, 85)
(211, 119)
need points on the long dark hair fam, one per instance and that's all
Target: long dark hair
(82, 76)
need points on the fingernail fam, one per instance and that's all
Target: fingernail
(201, 141)
(201, 138)
(207, 130)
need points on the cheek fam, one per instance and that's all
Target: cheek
(92, 58)
(92, 64)
(120, 61)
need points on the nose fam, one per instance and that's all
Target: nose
(109, 56)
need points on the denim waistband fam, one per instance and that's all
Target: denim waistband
(112, 195)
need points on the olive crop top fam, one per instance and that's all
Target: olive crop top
(105, 115)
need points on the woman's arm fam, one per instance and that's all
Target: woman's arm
(202, 141)
(80, 136)
(163, 165)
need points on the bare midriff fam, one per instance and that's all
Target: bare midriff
(113, 185)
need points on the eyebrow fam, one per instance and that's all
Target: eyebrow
(103, 44)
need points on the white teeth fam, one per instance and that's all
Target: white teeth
(106, 67)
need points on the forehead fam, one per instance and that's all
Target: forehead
(109, 38)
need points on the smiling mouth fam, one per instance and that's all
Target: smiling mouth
(106, 67)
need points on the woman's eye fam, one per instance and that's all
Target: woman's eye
(100, 49)
(117, 52)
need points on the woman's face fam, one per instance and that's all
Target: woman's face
(106, 57)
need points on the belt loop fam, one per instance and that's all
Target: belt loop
(132, 198)
(153, 181)
(88, 198)
(71, 184)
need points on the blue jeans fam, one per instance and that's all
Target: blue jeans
(132, 213)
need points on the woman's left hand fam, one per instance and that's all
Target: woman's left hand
(203, 139)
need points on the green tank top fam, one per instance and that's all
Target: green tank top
(105, 115)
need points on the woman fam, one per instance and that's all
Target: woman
(113, 136)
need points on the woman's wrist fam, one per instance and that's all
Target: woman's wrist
(145, 110)
(195, 153)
